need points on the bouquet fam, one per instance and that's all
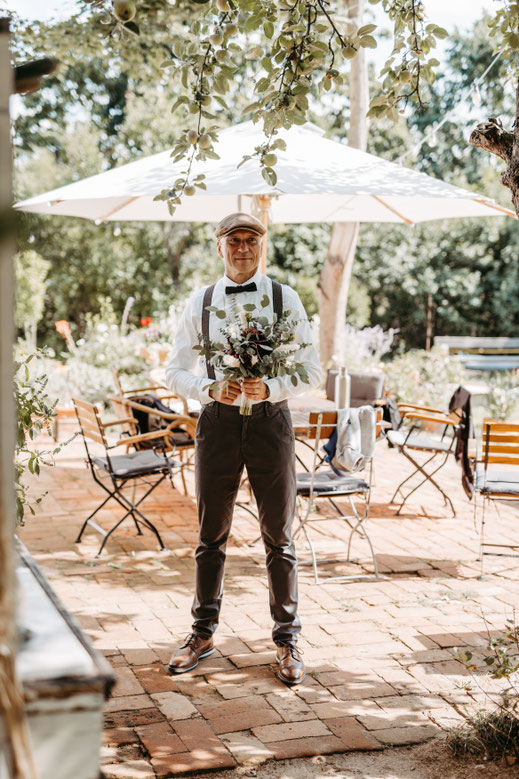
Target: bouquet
(253, 347)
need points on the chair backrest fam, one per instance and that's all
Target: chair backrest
(500, 442)
(117, 382)
(89, 421)
(365, 388)
(123, 411)
(329, 423)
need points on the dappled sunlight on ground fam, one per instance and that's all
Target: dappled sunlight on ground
(380, 654)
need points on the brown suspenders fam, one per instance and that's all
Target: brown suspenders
(277, 305)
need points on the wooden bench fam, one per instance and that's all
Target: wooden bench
(483, 354)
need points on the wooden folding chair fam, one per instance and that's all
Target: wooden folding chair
(131, 468)
(319, 484)
(178, 435)
(412, 440)
(161, 391)
(500, 446)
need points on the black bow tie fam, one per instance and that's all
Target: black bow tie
(244, 288)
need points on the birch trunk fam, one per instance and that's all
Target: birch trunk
(334, 280)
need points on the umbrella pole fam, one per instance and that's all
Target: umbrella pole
(264, 204)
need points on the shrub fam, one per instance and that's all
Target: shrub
(424, 377)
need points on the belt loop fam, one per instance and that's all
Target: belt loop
(216, 408)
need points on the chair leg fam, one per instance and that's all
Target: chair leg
(428, 477)
(87, 520)
(482, 534)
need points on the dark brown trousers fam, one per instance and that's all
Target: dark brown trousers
(263, 442)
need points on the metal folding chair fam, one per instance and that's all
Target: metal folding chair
(319, 484)
(133, 468)
(500, 446)
(412, 440)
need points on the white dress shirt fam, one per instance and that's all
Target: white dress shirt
(186, 372)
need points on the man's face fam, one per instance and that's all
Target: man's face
(241, 252)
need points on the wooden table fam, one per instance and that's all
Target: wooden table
(300, 409)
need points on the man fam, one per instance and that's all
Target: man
(227, 441)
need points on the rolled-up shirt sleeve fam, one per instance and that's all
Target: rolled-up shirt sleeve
(183, 369)
(281, 387)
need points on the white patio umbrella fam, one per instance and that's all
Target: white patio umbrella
(318, 181)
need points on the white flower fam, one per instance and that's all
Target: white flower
(230, 361)
(242, 316)
(233, 331)
(254, 359)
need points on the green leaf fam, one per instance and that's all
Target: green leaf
(249, 307)
(265, 301)
(270, 176)
(368, 42)
(293, 379)
(440, 32)
(366, 29)
(268, 29)
(220, 314)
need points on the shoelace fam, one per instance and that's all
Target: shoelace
(294, 651)
(190, 639)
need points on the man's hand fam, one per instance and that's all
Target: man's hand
(225, 392)
(255, 389)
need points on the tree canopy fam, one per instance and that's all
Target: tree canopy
(295, 51)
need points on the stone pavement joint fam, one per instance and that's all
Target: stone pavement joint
(380, 655)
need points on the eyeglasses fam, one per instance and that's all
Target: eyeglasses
(232, 240)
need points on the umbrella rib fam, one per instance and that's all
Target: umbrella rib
(497, 208)
(102, 219)
(393, 210)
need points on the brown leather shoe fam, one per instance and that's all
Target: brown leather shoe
(194, 649)
(291, 667)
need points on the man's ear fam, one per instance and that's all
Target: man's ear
(219, 248)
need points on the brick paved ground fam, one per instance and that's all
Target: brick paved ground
(380, 654)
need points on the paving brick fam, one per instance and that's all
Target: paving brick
(131, 769)
(128, 702)
(154, 678)
(305, 747)
(246, 749)
(125, 719)
(225, 708)
(245, 720)
(334, 709)
(352, 735)
(290, 730)
(192, 762)
(174, 705)
(115, 737)
(253, 658)
(141, 656)
(126, 683)
(159, 739)
(400, 736)
(291, 707)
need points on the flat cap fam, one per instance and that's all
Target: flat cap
(239, 221)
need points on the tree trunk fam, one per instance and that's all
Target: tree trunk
(492, 137)
(335, 276)
(429, 323)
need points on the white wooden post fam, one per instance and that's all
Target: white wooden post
(15, 758)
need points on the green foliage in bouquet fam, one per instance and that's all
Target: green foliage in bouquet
(253, 346)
